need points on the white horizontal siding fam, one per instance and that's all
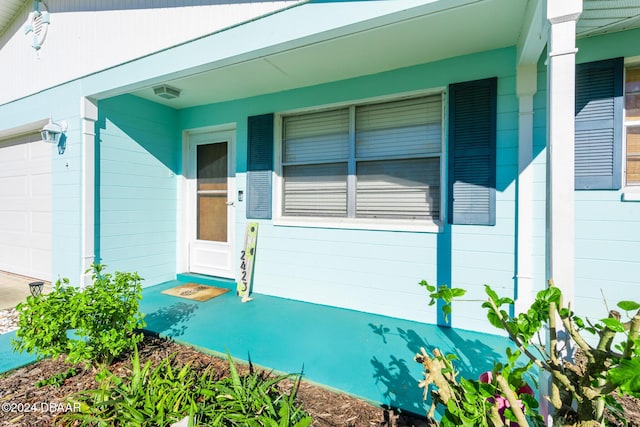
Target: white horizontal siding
(91, 35)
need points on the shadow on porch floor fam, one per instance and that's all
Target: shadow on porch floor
(362, 354)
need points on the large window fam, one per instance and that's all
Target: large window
(632, 125)
(369, 161)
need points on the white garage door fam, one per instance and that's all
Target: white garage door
(25, 206)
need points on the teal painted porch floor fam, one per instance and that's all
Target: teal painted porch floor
(365, 355)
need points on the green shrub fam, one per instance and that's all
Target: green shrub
(579, 391)
(92, 325)
(164, 395)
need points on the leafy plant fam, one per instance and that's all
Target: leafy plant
(92, 325)
(612, 364)
(256, 400)
(166, 394)
(58, 379)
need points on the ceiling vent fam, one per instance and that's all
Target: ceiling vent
(166, 92)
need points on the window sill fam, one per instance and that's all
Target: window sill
(414, 226)
(631, 194)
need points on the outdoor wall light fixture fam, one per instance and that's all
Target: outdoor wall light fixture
(37, 24)
(52, 131)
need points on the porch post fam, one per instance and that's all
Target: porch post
(89, 116)
(561, 65)
(526, 86)
(560, 228)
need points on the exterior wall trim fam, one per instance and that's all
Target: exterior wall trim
(88, 117)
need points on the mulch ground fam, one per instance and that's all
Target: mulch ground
(327, 408)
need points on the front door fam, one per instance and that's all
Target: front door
(211, 187)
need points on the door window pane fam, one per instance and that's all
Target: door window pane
(212, 192)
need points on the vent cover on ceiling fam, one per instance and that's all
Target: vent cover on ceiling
(166, 92)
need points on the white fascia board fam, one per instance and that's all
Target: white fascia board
(31, 127)
(298, 26)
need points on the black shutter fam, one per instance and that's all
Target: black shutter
(472, 152)
(598, 125)
(259, 166)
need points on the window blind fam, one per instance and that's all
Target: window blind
(316, 137)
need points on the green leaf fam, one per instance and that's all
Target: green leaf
(628, 305)
(491, 293)
(626, 376)
(458, 292)
(613, 324)
(494, 319)
(426, 285)
(504, 300)
(549, 295)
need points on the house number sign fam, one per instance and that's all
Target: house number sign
(247, 257)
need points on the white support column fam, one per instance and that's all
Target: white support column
(526, 86)
(560, 228)
(89, 116)
(561, 65)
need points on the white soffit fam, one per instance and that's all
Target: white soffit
(9, 9)
(608, 16)
(474, 27)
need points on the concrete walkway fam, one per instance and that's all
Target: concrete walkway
(365, 355)
(15, 289)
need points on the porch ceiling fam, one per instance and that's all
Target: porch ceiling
(608, 16)
(471, 26)
(468, 27)
(9, 9)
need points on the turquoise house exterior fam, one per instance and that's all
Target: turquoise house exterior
(376, 143)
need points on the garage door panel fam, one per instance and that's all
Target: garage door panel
(41, 185)
(41, 264)
(14, 186)
(36, 204)
(41, 223)
(13, 223)
(38, 243)
(25, 206)
(14, 255)
(13, 152)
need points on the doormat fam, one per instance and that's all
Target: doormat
(195, 291)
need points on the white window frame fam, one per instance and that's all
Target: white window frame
(410, 225)
(630, 192)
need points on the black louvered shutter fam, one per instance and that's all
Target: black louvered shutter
(472, 152)
(259, 166)
(598, 125)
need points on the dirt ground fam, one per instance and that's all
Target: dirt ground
(327, 408)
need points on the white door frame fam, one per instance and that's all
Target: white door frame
(192, 138)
